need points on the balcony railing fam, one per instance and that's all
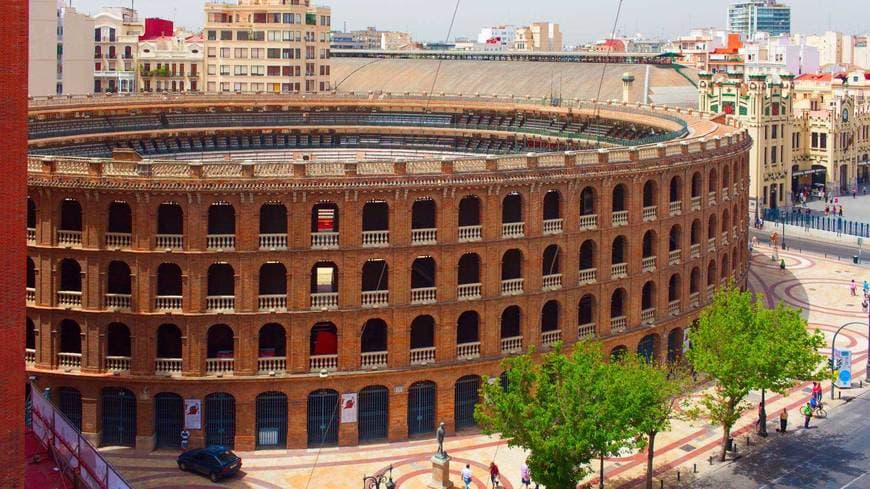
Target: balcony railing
(619, 270)
(725, 238)
(69, 298)
(618, 324)
(167, 366)
(512, 286)
(324, 300)
(695, 251)
(69, 361)
(725, 196)
(375, 239)
(586, 330)
(118, 364)
(711, 244)
(220, 242)
(118, 301)
(119, 240)
(552, 281)
(513, 230)
(220, 303)
(373, 359)
(168, 302)
(649, 213)
(424, 236)
(375, 298)
(30, 295)
(649, 263)
(423, 295)
(675, 208)
(31, 236)
(711, 198)
(514, 344)
(711, 289)
(550, 337)
(219, 366)
(552, 226)
(648, 316)
(272, 302)
(588, 276)
(696, 203)
(468, 351)
(620, 218)
(467, 292)
(324, 240)
(735, 234)
(674, 307)
(589, 221)
(674, 257)
(69, 238)
(323, 362)
(169, 241)
(695, 299)
(271, 365)
(423, 356)
(470, 233)
(29, 356)
(273, 241)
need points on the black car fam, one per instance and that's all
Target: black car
(215, 461)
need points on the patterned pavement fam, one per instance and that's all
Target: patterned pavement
(817, 285)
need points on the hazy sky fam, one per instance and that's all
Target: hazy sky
(581, 20)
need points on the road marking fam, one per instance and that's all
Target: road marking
(854, 480)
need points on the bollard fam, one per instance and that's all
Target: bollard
(661, 483)
(711, 460)
(839, 394)
(678, 475)
(735, 448)
(695, 468)
(747, 440)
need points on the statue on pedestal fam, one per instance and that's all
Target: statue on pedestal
(440, 453)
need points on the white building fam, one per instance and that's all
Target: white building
(779, 55)
(61, 47)
(116, 34)
(498, 38)
(835, 48)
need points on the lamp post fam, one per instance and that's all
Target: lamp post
(375, 481)
(833, 342)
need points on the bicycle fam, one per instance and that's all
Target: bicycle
(819, 411)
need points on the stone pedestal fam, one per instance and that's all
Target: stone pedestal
(440, 473)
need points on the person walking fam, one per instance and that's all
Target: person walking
(525, 476)
(817, 391)
(853, 287)
(493, 475)
(782, 264)
(783, 420)
(466, 476)
(807, 411)
(866, 287)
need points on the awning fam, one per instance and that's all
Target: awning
(813, 171)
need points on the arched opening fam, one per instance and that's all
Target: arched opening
(373, 413)
(30, 336)
(618, 352)
(423, 280)
(675, 239)
(421, 408)
(71, 216)
(511, 330)
(469, 219)
(120, 219)
(648, 302)
(170, 226)
(467, 328)
(712, 181)
(711, 274)
(71, 341)
(271, 420)
(31, 275)
(675, 193)
(711, 228)
(647, 348)
(588, 261)
(376, 223)
(550, 316)
(586, 315)
(220, 419)
(220, 342)
(70, 276)
(424, 221)
(675, 286)
(465, 398)
(118, 345)
(696, 185)
(551, 265)
(169, 344)
(725, 270)
(221, 287)
(322, 418)
(618, 202)
(273, 221)
(31, 215)
(617, 310)
(552, 205)
(69, 402)
(726, 177)
(323, 340)
(324, 279)
(675, 345)
(272, 344)
(650, 245)
(324, 218)
(118, 286)
(512, 265)
(422, 340)
(587, 202)
(512, 208)
(619, 250)
(375, 276)
(696, 233)
(469, 269)
(168, 420)
(169, 286)
(650, 194)
(374, 336)
(726, 223)
(119, 417)
(221, 219)
(273, 286)
(695, 281)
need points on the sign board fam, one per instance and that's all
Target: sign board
(192, 414)
(349, 407)
(843, 364)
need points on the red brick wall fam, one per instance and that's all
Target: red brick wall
(13, 149)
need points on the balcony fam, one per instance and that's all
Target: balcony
(375, 298)
(648, 264)
(588, 276)
(219, 366)
(586, 331)
(588, 222)
(69, 239)
(468, 292)
(468, 351)
(711, 289)
(675, 208)
(272, 302)
(695, 251)
(548, 338)
(324, 241)
(424, 236)
(513, 286)
(220, 303)
(271, 365)
(118, 302)
(648, 316)
(620, 218)
(514, 344)
(725, 196)
(695, 299)
(166, 303)
(29, 356)
(118, 240)
(725, 238)
(424, 295)
(69, 361)
(619, 270)
(118, 364)
(696, 203)
(69, 299)
(618, 324)
(373, 360)
(674, 257)
(324, 301)
(552, 226)
(552, 282)
(423, 356)
(317, 363)
(220, 242)
(31, 236)
(468, 234)
(375, 239)
(649, 213)
(273, 242)
(711, 245)
(711, 199)
(674, 307)
(169, 241)
(511, 230)
(167, 366)
(30, 295)
(735, 234)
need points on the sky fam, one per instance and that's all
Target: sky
(580, 20)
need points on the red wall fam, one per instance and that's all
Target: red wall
(156, 27)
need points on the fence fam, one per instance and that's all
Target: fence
(72, 452)
(834, 224)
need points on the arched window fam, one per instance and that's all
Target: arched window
(221, 219)
(695, 281)
(221, 287)
(648, 298)
(587, 315)
(220, 342)
(70, 276)
(423, 280)
(650, 244)
(273, 221)
(120, 218)
(324, 218)
(424, 216)
(70, 337)
(422, 337)
(31, 274)
(674, 288)
(675, 193)
(512, 265)
(272, 341)
(374, 336)
(711, 273)
(170, 219)
(375, 276)
(469, 219)
(510, 323)
(696, 232)
(70, 215)
(31, 215)
(588, 256)
(713, 181)
(323, 340)
(617, 304)
(376, 223)
(273, 287)
(168, 342)
(552, 206)
(117, 344)
(588, 202)
(697, 180)
(650, 194)
(675, 239)
(469, 269)
(467, 328)
(711, 227)
(512, 208)
(118, 286)
(618, 250)
(550, 320)
(619, 204)
(30, 335)
(551, 261)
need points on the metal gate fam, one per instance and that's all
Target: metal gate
(646, 347)
(322, 418)
(168, 420)
(675, 345)
(421, 408)
(271, 420)
(69, 402)
(220, 419)
(119, 418)
(465, 398)
(373, 413)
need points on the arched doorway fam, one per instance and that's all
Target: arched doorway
(322, 418)
(646, 348)
(271, 420)
(421, 408)
(69, 402)
(220, 419)
(675, 345)
(466, 396)
(373, 413)
(168, 420)
(119, 418)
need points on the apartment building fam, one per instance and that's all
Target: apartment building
(171, 63)
(116, 42)
(756, 16)
(60, 50)
(279, 46)
(545, 37)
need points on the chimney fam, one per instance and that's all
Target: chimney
(627, 82)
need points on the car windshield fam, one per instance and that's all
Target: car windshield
(227, 456)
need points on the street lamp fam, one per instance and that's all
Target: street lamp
(375, 481)
(833, 342)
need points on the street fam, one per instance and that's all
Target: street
(796, 243)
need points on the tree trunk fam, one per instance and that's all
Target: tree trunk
(726, 433)
(650, 454)
(601, 473)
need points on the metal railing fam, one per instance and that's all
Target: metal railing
(375, 239)
(467, 292)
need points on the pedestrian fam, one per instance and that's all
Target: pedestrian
(807, 411)
(758, 421)
(853, 287)
(841, 211)
(493, 475)
(827, 210)
(466, 476)
(525, 476)
(185, 439)
(817, 391)
(865, 190)
(866, 287)
(854, 193)
(783, 420)
(782, 264)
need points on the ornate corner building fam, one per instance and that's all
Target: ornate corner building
(267, 255)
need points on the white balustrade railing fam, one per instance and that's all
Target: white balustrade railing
(30, 295)
(648, 264)
(323, 362)
(674, 257)
(423, 356)
(467, 292)
(271, 365)
(470, 233)
(514, 344)
(513, 230)
(373, 359)
(273, 241)
(695, 250)
(588, 276)
(696, 203)
(649, 213)
(272, 302)
(375, 298)
(119, 240)
(423, 295)
(648, 316)
(710, 290)
(589, 221)
(118, 301)
(675, 208)
(725, 196)
(695, 299)
(725, 238)
(711, 198)
(550, 337)
(31, 235)
(674, 307)
(69, 298)
(552, 226)
(552, 281)
(169, 241)
(219, 366)
(620, 218)
(711, 244)
(168, 302)
(324, 240)
(375, 239)
(69, 361)
(167, 366)
(512, 286)
(220, 303)
(424, 236)
(468, 351)
(118, 364)
(618, 324)
(29, 356)
(735, 234)
(619, 270)
(324, 300)
(586, 330)
(69, 238)
(220, 241)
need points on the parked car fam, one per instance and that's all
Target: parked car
(215, 461)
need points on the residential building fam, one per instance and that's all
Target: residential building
(754, 16)
(497, 38)
(61, 50)
(779, 55)
(835, 48)
(372, 39)
(171, 63)
(695, 48)
(539, 37)
(116, 42)
(609, 46)
(267, 45)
